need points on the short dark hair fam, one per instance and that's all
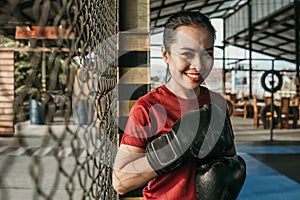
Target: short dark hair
(185, 18)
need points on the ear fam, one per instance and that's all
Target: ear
(165, 54)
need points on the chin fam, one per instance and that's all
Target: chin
(195, 86)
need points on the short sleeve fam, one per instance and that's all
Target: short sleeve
(138, 130)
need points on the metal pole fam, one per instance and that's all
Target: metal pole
(272, 103)
(224, 54)
(250, 33)
(297, 45)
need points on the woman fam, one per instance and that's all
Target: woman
(188, 51)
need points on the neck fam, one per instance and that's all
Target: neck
(183, 92)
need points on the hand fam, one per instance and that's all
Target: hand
(220, 178)
(200, 133)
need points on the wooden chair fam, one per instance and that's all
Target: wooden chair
(239, 109)
(287, 113)
(256, 113)
(268, 100)
(236, 109)
(296, 103)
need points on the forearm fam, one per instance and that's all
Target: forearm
(131, 169)
(132, 175)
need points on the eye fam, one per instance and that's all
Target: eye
(188, 55)
(207, 54)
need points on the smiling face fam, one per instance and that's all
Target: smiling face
(190, 59)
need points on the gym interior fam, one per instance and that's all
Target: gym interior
(70, 72)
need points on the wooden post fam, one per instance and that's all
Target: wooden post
(134, 55)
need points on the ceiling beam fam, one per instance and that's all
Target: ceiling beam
(265, 53)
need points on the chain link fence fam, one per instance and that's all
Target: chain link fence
(66, 87)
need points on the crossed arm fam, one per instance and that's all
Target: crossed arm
(131, 169)
(183, 143)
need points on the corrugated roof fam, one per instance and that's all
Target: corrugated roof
(161, 10)
(272, 35)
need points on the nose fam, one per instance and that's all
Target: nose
(196, 63)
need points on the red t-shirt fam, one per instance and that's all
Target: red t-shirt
(153, 115)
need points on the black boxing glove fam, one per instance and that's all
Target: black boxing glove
(200, 133)
(220, 179)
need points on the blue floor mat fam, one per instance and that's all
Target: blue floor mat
(263, 182)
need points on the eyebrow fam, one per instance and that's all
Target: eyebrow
(190, 49)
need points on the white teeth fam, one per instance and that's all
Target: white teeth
(192, 75)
